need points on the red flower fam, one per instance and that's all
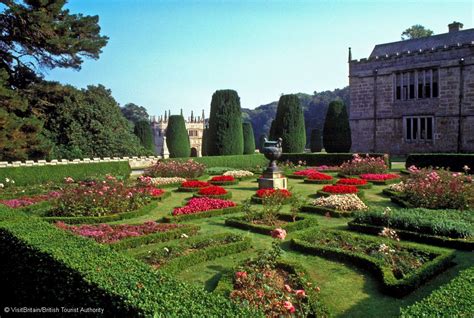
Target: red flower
(267, 192)
(351, 181)
(241, 275)
(319, 176)
(154, 192)
(223, 178)
(289, 306)
(378, 176)
(340, 189)
(213, 190)
(196, 205)
(305, 172)
(194, 184)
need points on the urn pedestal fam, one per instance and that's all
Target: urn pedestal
(272, 177)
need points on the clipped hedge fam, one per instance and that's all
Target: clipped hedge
(326, 159)
(301, 223)
(453, 161)
(42, 174)
(321, 210)
(441, 260)
(454, 299)
(37, 260)
(201, 215)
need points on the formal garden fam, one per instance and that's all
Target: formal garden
(352, 236)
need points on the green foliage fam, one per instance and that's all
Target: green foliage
(316, 143)
(315, 107)
(42, 174)
(134, 113)
(453, 161)
(328, 159)
(177, 137)
(289, 124)
(336, 131)
(38, 258)
(450, 300)
(225, 125)
(204, 142)
(448, 223)
(415, 32)
(356, 249)
(244, 162)
(143, 131)
(216, 171)
(249, 139)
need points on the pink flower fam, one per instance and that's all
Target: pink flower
(279, 233)
(288, 288)
(300, 293)
(241, 275)
(289, 306)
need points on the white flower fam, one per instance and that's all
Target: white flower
(341, 202)
(2, 186)
(166, 250)
(466, 168)
(7, 180)
(13, 181)
(165, 180)
(184, 235)
(238, 173)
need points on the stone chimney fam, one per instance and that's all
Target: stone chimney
(455, 26)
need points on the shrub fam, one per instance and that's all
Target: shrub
(452, 161)
(82, 171)
(204, 142)
(289, 124)
(225, 125)
(29, 200)
(143, 131)
(453, 299)
(336, 131)
(360, 165)
(316, 143)
(176, 168)
(249, 139)
(438, 189)
(198, 205)
(177, 138)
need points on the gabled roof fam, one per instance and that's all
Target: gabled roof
(426, 43)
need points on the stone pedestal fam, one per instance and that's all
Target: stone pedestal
(272, 180)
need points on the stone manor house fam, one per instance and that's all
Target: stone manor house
(194, 125)
(415, 95)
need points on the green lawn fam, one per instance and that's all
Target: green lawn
(346, 290)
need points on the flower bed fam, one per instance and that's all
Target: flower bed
(328, 168)
(343, 205)
(261, 194)
(380, 178)
(201, 208)
(215, 192)
(223, 180)
(174, 168)
(359, 183)
(29, 200)
(319, 178)
(302, 174)
(161, 182)
(174, 256)
(193, 186)
(105, 233)
(339, 189)
(364, 164)
(401, 267)
(286, 222)
(239, 174)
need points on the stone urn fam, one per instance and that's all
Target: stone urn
(272, 151)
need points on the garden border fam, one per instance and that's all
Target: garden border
(202, 215)
(321, 210)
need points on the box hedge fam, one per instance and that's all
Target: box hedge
(454, 299)
(326, 159)
(43, 266)
(42, 174)
(453, 161)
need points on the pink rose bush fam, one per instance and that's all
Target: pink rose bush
(364, 164)
(105, 233)
(29, 200)
(196, 205)
(279, 234)
(379, 176)
(174, 168)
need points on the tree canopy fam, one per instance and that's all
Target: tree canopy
(415, 32)
(135, 113)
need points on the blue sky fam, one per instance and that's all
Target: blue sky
(175, 54)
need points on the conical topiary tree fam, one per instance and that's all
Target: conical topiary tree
(249, 139)
(177, 138)
(143, 131)
(289, 124)
(225, 124)
(316, 142)
(337, 132)
(205, 137)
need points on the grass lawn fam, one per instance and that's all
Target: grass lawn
(346, 290)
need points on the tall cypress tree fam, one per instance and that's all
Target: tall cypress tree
(143, 131)
(289, 124)
(204, 142)
(177, 138)
(225, 124)
(249, 139)
(337, 131)
(316, 142)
